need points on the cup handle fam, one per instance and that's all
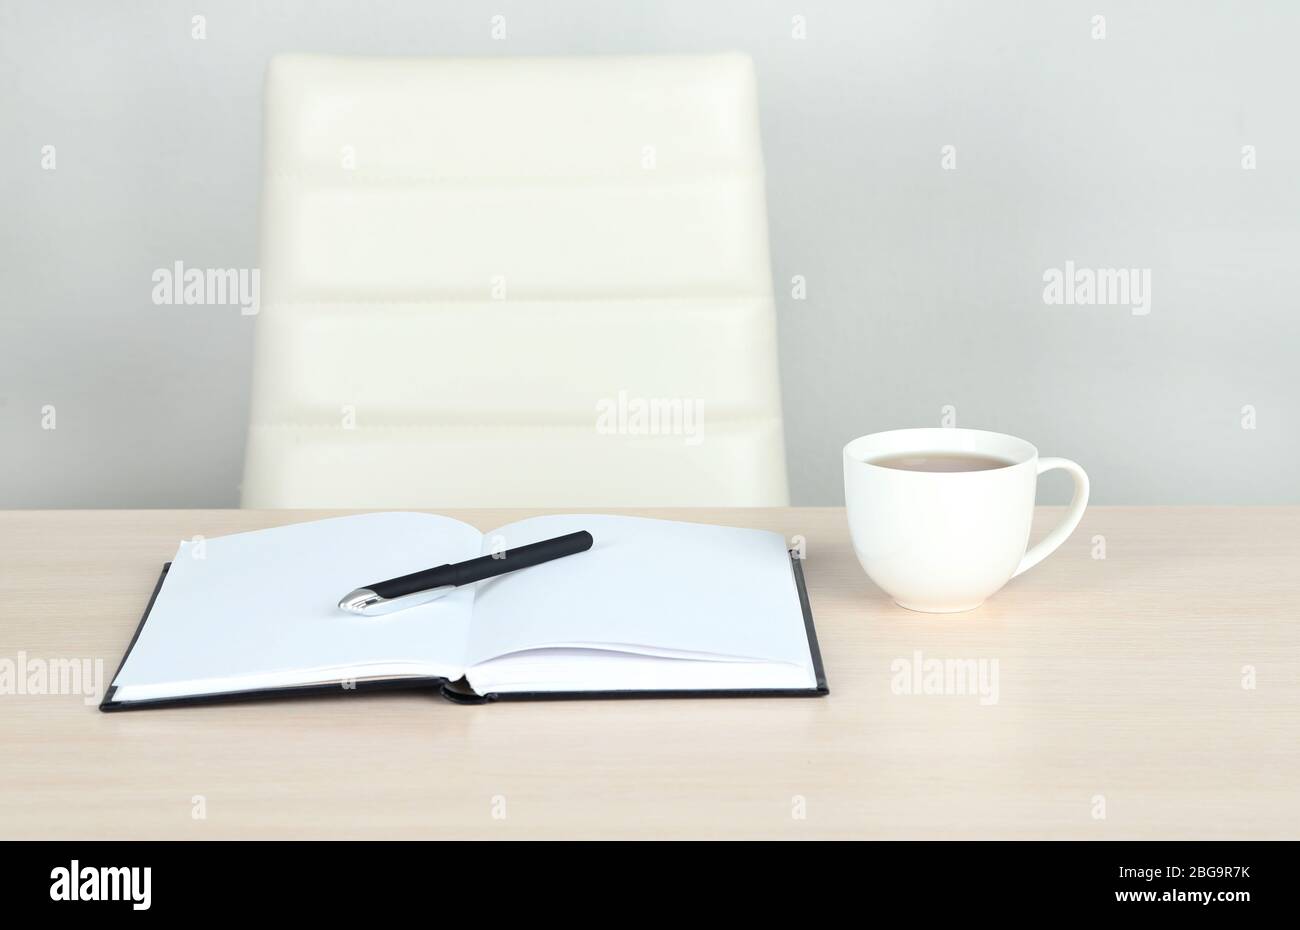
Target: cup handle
(1072, 517)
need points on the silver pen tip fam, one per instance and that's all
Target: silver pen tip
(357, 601)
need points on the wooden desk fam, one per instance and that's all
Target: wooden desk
(1119, 678)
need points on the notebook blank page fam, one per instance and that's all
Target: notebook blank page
(653, 587)
(263, 606)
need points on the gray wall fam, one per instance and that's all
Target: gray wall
(924, 285)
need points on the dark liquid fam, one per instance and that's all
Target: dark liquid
(941, 461)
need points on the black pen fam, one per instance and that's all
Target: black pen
(384, 597)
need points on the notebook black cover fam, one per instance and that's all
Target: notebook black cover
(459, 692)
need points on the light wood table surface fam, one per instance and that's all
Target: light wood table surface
(1124, 689)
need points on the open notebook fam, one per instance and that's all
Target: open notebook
(653, 608)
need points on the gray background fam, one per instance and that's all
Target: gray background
(924, 285)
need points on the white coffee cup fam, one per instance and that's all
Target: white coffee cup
(942, 542)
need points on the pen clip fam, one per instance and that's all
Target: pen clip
(369, 604)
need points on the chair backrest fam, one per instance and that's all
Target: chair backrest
(514, 282)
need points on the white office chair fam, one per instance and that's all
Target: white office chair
(514, 282)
